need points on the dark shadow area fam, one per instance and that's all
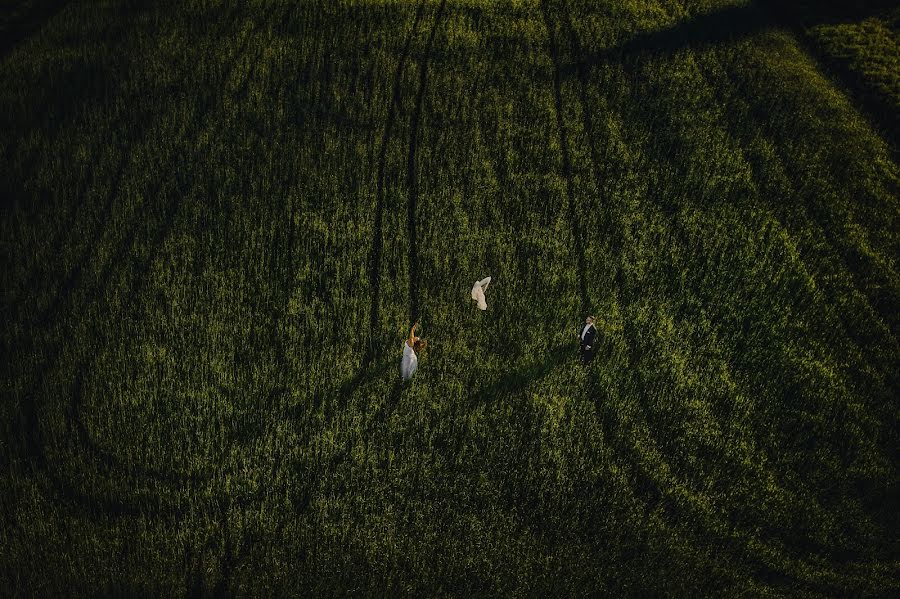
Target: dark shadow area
(337, 399)
(16, 25)
(711, 29)
(61, 95)
(64, 234)
(801, 15)
(741, 21)
(706, 30)
(227, 562)
(95, 75)
(812, 12)
(608, 229)
(669, 175)
(115, 263)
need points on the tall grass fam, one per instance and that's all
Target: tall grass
(223, 217)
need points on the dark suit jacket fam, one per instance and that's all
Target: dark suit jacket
(589, 338)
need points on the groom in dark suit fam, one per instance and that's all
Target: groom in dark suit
(586, 340)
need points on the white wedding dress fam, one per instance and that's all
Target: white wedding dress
(478, 292)
(409, 363)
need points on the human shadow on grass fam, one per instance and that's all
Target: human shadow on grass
(336, 399)
(519, 379)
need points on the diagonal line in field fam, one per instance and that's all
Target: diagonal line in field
(645, 483)
(709, 29)
(109, 460)
(567, 162)
(31, 23)
(377, 234)
(412, 180)
(74, 276)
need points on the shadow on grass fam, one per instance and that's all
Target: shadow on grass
(335, 399)
(718, 27)
(737, 22)
(519, 379)
(15, 28)
(573, 213)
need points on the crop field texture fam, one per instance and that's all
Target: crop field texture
(220, 219)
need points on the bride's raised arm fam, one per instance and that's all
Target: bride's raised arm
(412, 334)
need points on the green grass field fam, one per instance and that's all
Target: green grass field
(220, 219)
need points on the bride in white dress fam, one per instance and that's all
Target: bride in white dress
(410, 360)
(478, 292)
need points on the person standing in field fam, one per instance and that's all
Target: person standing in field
(411, 347)
(586, 340)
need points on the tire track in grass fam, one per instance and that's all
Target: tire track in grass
(852, 353)
(72, 279)
(118, 121)
(412, 180)
(644, 482)
(816, 218)
(107, 458)
(566, 161)
(735, 536)
(162, 233)
(643, 488)
(377, 249)
(872, 281)
(720, 80)
(284, 244)
(35, 446)
(40, 313)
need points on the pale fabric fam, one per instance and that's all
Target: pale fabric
(478, 292)
(409, 363)
(585, 330)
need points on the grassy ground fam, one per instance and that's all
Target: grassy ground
(221, 218)
(859, 43)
